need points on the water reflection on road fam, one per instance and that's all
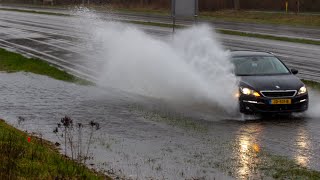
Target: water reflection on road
(248, 148)
(303, 144)
(288, 136)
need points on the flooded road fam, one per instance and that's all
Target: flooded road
(145, 138)
(149, 138)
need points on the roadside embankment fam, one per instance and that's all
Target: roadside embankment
(13, 62)
(25, 156)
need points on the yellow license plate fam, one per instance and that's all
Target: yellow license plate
(281, 101)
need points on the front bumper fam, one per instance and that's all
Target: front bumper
(261, 105)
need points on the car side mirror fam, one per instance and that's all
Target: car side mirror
(294, 71)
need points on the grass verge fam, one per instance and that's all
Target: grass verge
(154, 24)
(154, 11)
(37, 159)
(235, 33)
(13, 62)
(263, 36)
(262, 17)
(279, 18)
(256, 17)
(312, 84)
(35, 12)
(283, 168)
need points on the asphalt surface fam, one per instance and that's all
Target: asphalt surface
(303, 57)
(273, 30)
(138, 138)
(311, 33)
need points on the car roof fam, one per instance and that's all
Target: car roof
(250, 53)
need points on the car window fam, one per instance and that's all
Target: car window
(258, 65)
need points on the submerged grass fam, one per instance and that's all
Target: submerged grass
(36, 159)
(312, 84)
(13, 62)
(174, 119)
(280, 167)
(253, 163)
(284, 168)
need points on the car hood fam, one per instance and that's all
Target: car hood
(285, 82)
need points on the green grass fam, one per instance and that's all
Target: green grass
(264, 17)
(236, 33)
(263, 36)
(153, 11)
(279, 18)
(35, 12)
(280, 167)
(13, 62)
(154, 24)
(266, 165)
(37, 159)
(312, 84)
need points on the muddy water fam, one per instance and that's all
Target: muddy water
(134, 142)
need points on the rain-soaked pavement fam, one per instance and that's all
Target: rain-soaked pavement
(140, 138)
(62, 41)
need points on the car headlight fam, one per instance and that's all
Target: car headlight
(302, 90)
(248, 91)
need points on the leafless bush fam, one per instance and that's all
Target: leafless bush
(66, 132)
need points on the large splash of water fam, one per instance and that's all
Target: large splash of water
(314, 104)
(190, 67)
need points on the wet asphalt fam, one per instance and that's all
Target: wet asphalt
(141, 137)
(311, 33)
(56, 39)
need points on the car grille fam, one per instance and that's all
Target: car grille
(287, 93)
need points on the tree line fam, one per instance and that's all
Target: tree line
(204, 5)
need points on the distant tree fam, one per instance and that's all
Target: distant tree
(236, 4)
(298, 6)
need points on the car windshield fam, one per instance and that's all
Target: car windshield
(258, 65)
